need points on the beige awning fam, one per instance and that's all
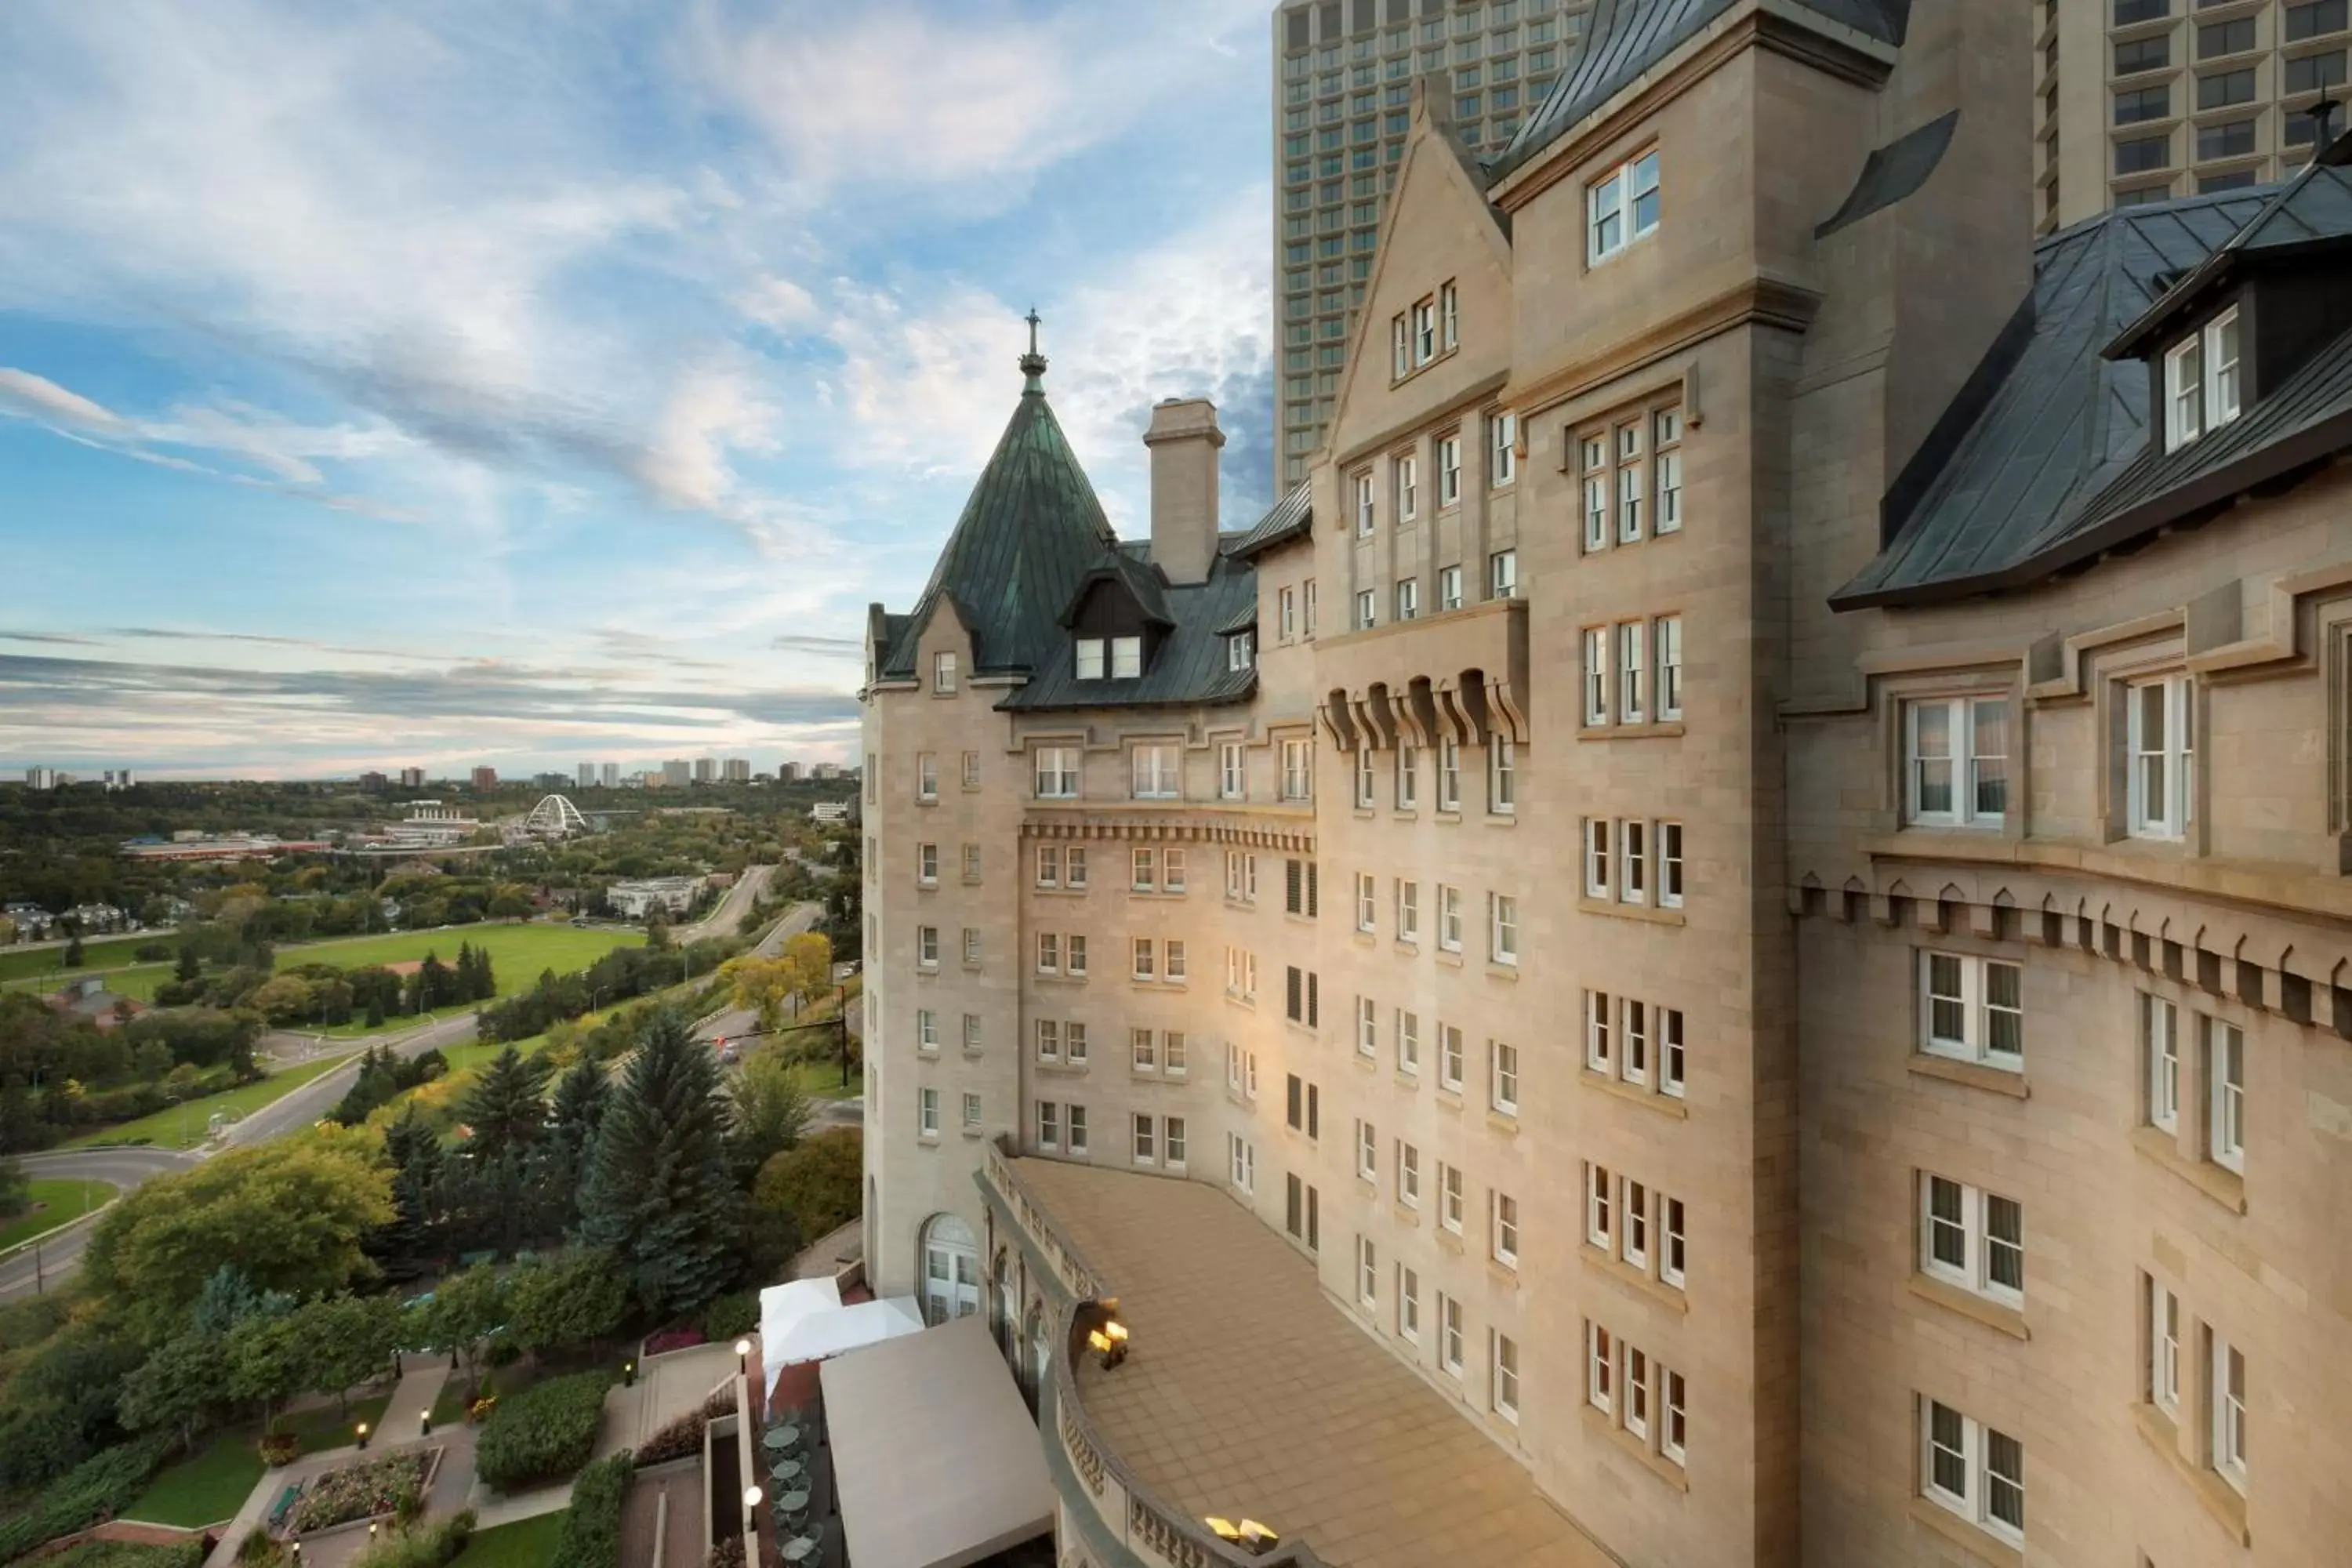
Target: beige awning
(935, 1459)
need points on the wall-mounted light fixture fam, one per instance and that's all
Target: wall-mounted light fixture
(1109, 1341)
(1251, 1536)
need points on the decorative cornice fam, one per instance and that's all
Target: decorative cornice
(1241, 833)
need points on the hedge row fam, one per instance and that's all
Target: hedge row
(542, 1433)
(104, 1484)
(591, 1529)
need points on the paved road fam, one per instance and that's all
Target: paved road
(315, 1098)
(722, 920)
(126, 1168)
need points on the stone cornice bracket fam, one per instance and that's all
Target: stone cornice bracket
(1378, 718)
(1420, 712)
(1339, 720)
(1453, 708)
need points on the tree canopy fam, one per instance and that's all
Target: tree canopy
(660, 1194)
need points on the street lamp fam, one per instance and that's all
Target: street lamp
(743, 1358)
(363, 1435)
(424, 1422)
(752, 1522)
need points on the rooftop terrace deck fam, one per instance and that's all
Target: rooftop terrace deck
(1248, 1394)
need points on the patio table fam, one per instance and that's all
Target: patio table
(786, 1470)
(793, 1502)
(799, 1549)
(776, 1439)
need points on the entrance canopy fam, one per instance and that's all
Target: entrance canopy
(935, 1459)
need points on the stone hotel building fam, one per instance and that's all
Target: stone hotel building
(1724, 940)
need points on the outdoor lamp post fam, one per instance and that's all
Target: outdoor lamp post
(742, 1358)
(628, 1375)
(752, 1522)
(362, 1434)
(425, 1423)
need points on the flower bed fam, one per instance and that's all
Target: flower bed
(674, 1340)
(362, 1489)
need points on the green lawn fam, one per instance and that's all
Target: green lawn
(822, 1080)
(17, 963)
(56, 1201)
(183, 1126)
(213, 1483)
(526, 1543)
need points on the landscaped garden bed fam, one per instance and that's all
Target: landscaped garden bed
(363, 1490)
(542, 1433)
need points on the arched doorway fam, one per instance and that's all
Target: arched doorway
(1039, 1348)
(951, 1269)
(1001, 1309)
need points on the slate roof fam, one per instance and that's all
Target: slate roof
(1188, 668)
(1625, 39)
(1031, 528)
(1288, 518)
(1893, 172)
(2315, 207)
(1130, 564)
(2020, 462)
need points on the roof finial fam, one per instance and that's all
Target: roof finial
(1033, 363)
(2321, 110)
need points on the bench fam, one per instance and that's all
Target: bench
(284, 1506)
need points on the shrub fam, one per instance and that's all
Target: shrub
(727, 1553)
(279, 1448)
(590, 1537)
(261, 1549)
(542, 1433)
(731, 1315)
(361, 1489)
(679, 1439)
(421, 1546)
(103, 1485)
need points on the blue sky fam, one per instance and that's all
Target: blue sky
(553, 380)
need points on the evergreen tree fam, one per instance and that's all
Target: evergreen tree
(415, 1231)
(659, 1193)
(190, 967)
(486, 985)
(73, 952)
(505, 1108)
(581, 1096)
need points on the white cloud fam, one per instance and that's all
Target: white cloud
(38, 397)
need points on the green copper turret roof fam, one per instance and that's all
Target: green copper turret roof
(1030, 530)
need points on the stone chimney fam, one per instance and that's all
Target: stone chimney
(1184, 440)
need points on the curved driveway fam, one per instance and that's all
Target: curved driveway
(40, 1266)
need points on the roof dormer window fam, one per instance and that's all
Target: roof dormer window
(2200, 381)
(1124, 660)
(1126, 657)
(1240, 650)
(1091, 659)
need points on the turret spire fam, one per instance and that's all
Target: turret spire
(1033, 363)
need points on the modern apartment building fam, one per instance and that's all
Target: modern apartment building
(1342, 92)
(2143, 100)
(1723, 941)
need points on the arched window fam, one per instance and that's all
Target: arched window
(951, 1269)
(1003, 1308)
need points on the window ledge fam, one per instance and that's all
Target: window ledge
(1406, 947)
(1663, 1104)
(1058, 892)
(1982, 1544)
(1064, 1069)
(1449, 1239)
(971, 967)
(1634, 1279)
(1449, 1098)
(1975, 1075)
(1449, 955)
(1060, 979)
(2223, 1186)
(1503, 1121)
(975, 1132)
(1365, 1063)
(1405, 1079)
(1502, 819)
(1664, 730)
(1367, 938)
(1405, 1213)
(1502, 1273)
(1587, 904)
(1502, 971)
(2009, 1320)
(1633, 1448)
(2220, 1498)
(971, 881)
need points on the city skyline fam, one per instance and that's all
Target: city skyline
(682, 386)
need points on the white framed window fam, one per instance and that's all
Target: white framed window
(1057, 773)
(1074, 956)
(1241, 1163)
(1449, 1197)
(1126, 657)
(2159, 1037)
(1368, 1272)
(1365, 768)
(1144, 1143)
(1592, 457)
(1049, 1040)
(1668, 634)
(1285, 618)
(1408, 1159)
(1634, 862)
(1633, 1206)
(1671, 1061)
(1600, 1368)
(927, 776)
(971, 944)
(1634, 1031)
(1600, 1208)
(2200, 381)
(1955, 753)
(1049, 1125)
(1089, 658)
(1449, 918)
(1172, 870)
(927, 1029)
(1143, 953)
(1365, 520)
(1503, 1077)
(927, 1112)
(1367, 901)
(1972, 1238)
(1408, 1042)
(1368, 1152)
(1449, 470)
(927, 865)
(943, 672)
(1298, 770)
(1157, 772)
(1076, 1117)
(1049, 866)
(1633, 685)
(1596, 675)
(1449, 1056)
(1424, 332)
(1670, 865)
(971, 1032)
(1449, 774)
(1368, 612)
(1449, 1333)
(1975, 1472)
(1599, 1036)
(1049, 953)
(1622, 207)
(1674, 1433)
(1503, 574)
(2161, 786)
(2229, 1403)
(1408, 599)
(1306, 609)
(1503, 1378)
(1074, 860)
(1400, 349)
(1636, 1384)
(1144, 867)
(927, 946)
(1597, 858)
(1368, 1027)
(1972, 1009)
(1503, 921)
(1502, 435)
(2225, 1095)
(1505, 1241)
(1666, 469)
(1173, 1140)
(1502, 777)
(1449, 316)
(1408, 776)
(2163, 1347)
(1449, 588)
(970, 1110)
(1408, 1289)
(1240, 650)
(1632, 487)
(1173, 1053)
(1143, 1051)
(1408, 487)
(1674, 1242)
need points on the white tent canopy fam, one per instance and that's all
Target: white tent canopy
(781, 1307)
(822, 1334)
(934, 1459)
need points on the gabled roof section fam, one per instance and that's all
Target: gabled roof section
(1130, 567)
(1893, 172)
(1289, 517)
(1625, 40)
(1031, 528)
(1187, 669)
(2032, 459)
(2313, 208)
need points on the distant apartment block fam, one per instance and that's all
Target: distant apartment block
(2145, 100)
(738, 769)
(674, 774)
(412, 778)
(41, 778)
(486, 778)
(612, 775)
(586, 773)
(788, 773)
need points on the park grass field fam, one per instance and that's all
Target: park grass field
(98, 952)
(55, 1201)
(183, 1127)
(526, 1543)
(212, 1484)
